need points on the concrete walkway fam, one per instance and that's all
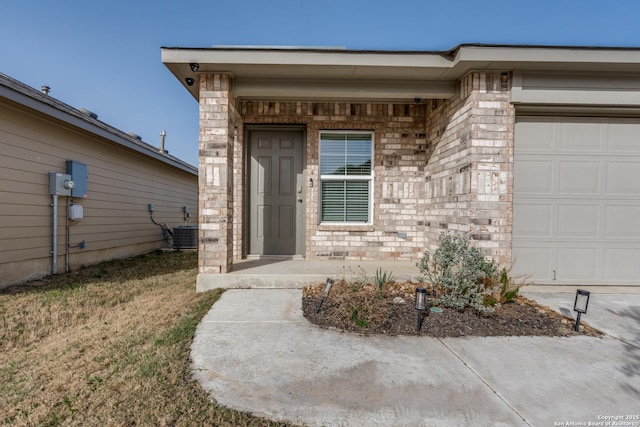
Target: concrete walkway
(255, 352)
(297, 273)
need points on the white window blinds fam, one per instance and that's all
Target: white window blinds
(346, 176)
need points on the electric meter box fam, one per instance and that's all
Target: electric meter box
(60, 184)
(78, 172)
(76, 212)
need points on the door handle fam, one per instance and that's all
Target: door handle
(300, 199)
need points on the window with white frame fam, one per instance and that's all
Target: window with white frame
(346, 176)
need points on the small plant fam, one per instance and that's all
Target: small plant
(507, 289)
(359, 316)
(458, 273)
(383, 278)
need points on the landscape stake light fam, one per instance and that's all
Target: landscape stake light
(580, 305)
(325, 292)
(421, 305)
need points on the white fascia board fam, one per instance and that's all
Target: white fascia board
(465, 54)
(541, 57)
(304, 57)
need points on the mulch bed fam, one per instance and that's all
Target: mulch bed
(362, 308)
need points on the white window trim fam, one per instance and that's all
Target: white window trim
(369, 178)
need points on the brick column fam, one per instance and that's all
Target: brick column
(218, 119)
(469, 173)
(491, 158)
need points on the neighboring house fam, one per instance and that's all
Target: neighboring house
(370, 155)
(123, 176)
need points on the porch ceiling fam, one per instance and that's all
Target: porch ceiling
(338, 74)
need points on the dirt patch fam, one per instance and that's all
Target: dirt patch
(364, 309)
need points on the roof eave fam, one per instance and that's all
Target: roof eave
(39, 103)
(349, 67)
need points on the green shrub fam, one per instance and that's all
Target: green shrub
(459, 275)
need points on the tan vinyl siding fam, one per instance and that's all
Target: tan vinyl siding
(121, 184)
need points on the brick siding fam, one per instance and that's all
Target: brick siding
(399, 159)
(470, 170)
(438, 165)
(217, 131)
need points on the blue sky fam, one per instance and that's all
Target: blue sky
(105, 56)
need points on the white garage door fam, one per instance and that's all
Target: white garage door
(576, 200)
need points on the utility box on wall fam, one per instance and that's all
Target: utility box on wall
(78, 172)
(60, 184)
(76, 212)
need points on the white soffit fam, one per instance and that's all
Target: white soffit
(381, 75)
(317, 74)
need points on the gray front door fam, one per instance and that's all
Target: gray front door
(276, 197)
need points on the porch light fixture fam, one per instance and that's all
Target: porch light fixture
(194, 66)
(421, 305)
(580, 305)
(189, 81)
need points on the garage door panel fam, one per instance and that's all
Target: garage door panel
(534, 177)
(623, 138)
(578, 221)
(576, 200)
(581, 178)
(584, 137)
(532, 261)
(535, 138)
(577, 264)
(622, 222)
(533, 220)
(623, 179)
(621, 263)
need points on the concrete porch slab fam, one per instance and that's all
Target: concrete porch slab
(298, 273)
